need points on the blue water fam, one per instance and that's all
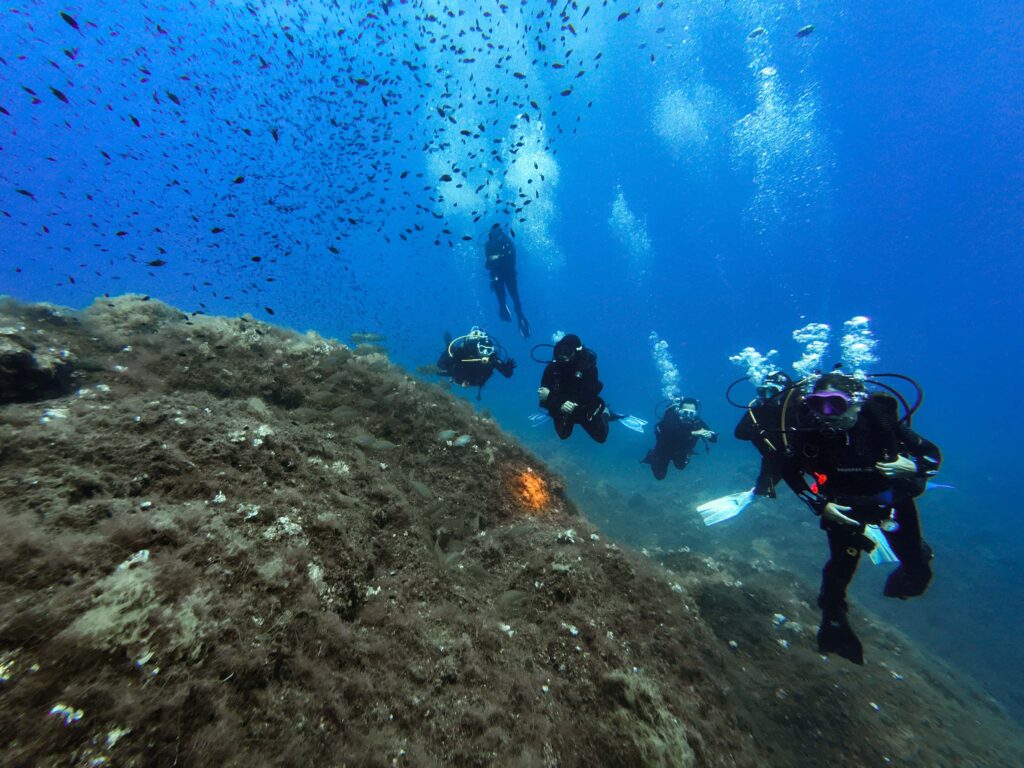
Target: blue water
(873, 167)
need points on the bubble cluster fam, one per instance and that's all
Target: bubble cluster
(679, 120)
(858, 346)
(814, 337)
(532, 175)
(663, 360)
(790, 157)
(630, 231)
(758, 366)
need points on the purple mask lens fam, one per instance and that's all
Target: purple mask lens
(829, 402)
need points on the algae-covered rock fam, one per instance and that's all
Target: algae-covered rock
(236, 545)
(28, 372)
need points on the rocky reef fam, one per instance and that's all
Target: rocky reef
(226, 543)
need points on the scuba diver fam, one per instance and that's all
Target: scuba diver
(570, 392)
(676, 436)
(471, 359)
(759, 426)
(500, 261)
(866, 467)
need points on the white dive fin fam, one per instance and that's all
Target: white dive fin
(882, 553)
(633, 422)
(538, 418)
(725, 507)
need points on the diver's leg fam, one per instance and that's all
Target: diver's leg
(914, 573)
(511, 281)
(563, 426)
(835, 634)
(681, 457)
(597, 425)
(498, 283)
(658, 461)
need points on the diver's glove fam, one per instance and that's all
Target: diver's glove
(707, 434)
(903, 467)
(834, 514)
(506, 367)
(542, 394)
(568, 406)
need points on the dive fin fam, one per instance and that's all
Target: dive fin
(836, 636)
(538, 418)
(726, 507)
(882, 552)
(634, 423)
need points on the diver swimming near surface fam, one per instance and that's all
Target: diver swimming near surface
(470, 360)
(500, 262)
(676, 436)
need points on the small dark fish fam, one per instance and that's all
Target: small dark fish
(26, 193)
(269, 310)
(173, 98)
(360, 81)
(403, 174)
(256, 259)
(755, 33)
(333, 249)
(4, 111)
(445, 177)
(156, 263)
(69, 19)
(519, 75)
(567, 91)
(216, 230)
(135, 120)
(238, 180)
(805, 31)
(273, 132)
(59, 95)
(622, 15)
(120, 233)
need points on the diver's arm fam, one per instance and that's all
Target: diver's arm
(555, 398)
(925, 454)
(747, 428)
(702, 425)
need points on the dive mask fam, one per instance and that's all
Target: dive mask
(829, 402)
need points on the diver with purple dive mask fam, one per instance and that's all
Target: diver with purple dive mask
(856, 463)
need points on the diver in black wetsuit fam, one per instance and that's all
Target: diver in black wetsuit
(571, 392)
(760, 426)
(866, 466)
(471, 359)
(500, 262)
(676, 436)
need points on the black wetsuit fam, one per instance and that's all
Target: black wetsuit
(576, 381)
(500, 262)
(468, 368)
(762, 425)
(674, 441)
(841, 465)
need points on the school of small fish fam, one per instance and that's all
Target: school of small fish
(154, 138)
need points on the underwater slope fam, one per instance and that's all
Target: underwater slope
(225, 543)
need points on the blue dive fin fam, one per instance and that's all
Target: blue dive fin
(538, 418)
